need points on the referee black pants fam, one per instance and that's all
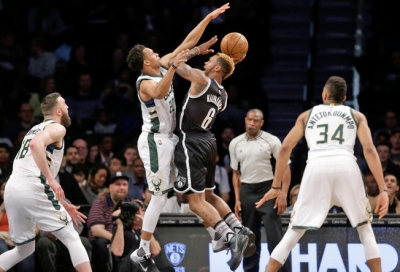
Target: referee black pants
(254, 218)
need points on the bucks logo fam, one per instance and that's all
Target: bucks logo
(156, 183)
(175, 252)
(63, 217)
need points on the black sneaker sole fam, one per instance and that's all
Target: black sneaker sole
(251, 246)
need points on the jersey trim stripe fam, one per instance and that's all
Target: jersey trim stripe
(153, 153)
(49, 193)
(25, 242)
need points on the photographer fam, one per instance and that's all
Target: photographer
(100, 219)
(128, 219)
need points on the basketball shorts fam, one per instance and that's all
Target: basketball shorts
(157, 153)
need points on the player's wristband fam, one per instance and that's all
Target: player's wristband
(171, 63)
(383, 190)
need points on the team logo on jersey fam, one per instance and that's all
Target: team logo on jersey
(63, 217)
(156, 183)
(181, 182)
(159, 142)
(175, 252)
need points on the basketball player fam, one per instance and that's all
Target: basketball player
(157, 142)
(195, 153)
(332, 176)
(33, 197)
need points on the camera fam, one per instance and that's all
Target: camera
(128, 212)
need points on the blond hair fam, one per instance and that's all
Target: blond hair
(227, 65)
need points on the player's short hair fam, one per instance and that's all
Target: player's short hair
(337, 88)
(49, 102)
(135, 57)
(227, 65)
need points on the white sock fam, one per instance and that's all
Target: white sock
(212, 233)
(145, 245)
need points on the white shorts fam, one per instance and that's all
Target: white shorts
(157, 153)
(328, 181)
(29, 202)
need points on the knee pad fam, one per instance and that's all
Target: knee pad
(70, 238)
(153, 212)
(367, 238)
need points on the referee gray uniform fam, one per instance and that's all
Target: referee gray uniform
(252, 157)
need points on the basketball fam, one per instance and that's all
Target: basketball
(234, 44)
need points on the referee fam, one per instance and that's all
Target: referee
(251, 156)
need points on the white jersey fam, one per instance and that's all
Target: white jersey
(330, 130)
(159, 115)
(24, 164)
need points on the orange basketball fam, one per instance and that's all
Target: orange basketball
(234, 44)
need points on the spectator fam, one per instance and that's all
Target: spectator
(372, 189)
(117, 164)
(384, 153)
(126, 239)
(71, 186)
(93, 152)
(106, 146)
(139, 180)
(382, 137)
(392, 187)
(395, 142)
(71, 158)
(24, 122)
(222, 187)
(178, 203)
(100, 219)
(27, 264)
(104, 123)
(130, 152)
(80, 173)
(294, 192)
(391, 123)
(42, 63)
(5, 162)
(96, 186)
(81, 145)
(83, 103)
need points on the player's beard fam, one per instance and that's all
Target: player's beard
(65, 120)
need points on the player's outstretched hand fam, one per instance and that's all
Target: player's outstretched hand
(215, 13)
(57, 189)
(204, 47)
(181, 57)
(74, 213)
(271, 194)
(382, 204)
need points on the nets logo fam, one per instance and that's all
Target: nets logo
(175, 252)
